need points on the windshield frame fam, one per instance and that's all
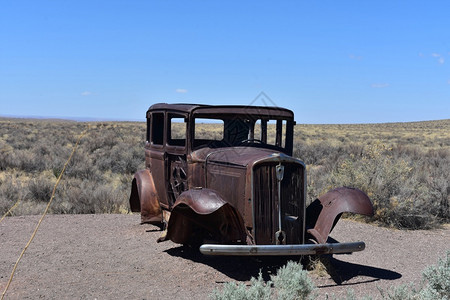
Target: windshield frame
(244, 127)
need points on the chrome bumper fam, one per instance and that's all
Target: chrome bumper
(281, 250)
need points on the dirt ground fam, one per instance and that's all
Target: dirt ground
(113, 257)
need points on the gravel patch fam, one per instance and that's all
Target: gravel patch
(113, 257)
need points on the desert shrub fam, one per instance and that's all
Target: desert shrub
(32, 193)
(402, 292)
(407, 177)
(40, 189)
(26, 207)
(11, 191)
(314, 154)
(121, 158)
(25, 160)
(75, 196)
(83, 196)
(103, 137)
(257, 290)
(5, 155)
(437, 279)
(81, 166)
(379, 176)
(109, 200)
(37, 150)
(408, 185)
(435, 284)
(350, 295)
(291, 282)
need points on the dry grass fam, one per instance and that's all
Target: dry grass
(427, 134)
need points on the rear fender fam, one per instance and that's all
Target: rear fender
(324, 213)
(144, 199)
(200, 214)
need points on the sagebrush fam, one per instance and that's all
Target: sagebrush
(403, 167)
(292, 282)
(97, 180)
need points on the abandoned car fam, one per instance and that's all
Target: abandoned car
(223, 178)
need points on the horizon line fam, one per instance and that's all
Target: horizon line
(99, 119)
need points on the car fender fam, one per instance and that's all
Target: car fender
(144, 198)
(323, 213)
(202, 213)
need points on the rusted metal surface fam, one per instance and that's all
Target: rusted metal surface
(145, 199)
(202, 213)
(332, 205)
(238, 187)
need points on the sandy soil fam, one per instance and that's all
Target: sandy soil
(113, 257)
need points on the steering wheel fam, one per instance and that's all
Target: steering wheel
(251, 141)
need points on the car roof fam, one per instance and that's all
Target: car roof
(223, 109)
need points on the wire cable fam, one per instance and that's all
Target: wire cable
(45, 211)
(10, 210)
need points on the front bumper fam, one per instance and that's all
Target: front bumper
(281, 250)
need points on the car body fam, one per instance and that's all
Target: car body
(223, 178)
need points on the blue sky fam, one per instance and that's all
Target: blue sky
(328, 61)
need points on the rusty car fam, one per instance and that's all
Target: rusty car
(223, 178)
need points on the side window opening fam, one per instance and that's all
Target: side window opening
(157, 128)
(208, 132)
(147, 136)
(177, 130)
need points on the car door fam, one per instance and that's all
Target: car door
(158, 156)
(176, 146)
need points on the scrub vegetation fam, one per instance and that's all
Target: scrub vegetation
(97, 180)
(292, 283)
(403, 167)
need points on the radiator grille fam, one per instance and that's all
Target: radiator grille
(266, 202)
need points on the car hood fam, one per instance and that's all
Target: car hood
(241, 156)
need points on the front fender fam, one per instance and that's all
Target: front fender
(144, 198)
(323, 213)
(200, 214)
